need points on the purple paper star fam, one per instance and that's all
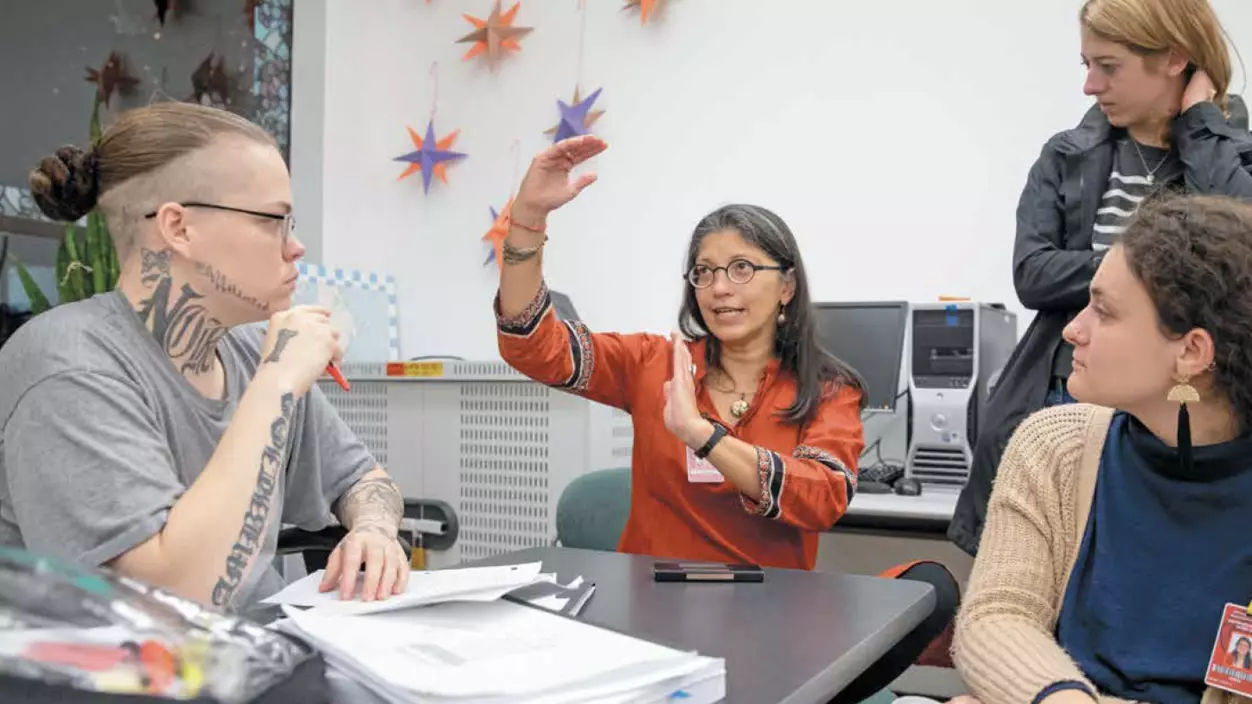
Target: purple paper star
(574, 118)
(431, 156)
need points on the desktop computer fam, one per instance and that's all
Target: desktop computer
(564, 307)
(869, 337)
(958, 351)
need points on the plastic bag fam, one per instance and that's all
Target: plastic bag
(94, 631)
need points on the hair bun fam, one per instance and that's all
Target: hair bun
(67, 184)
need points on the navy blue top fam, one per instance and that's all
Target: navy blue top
(1161, 556)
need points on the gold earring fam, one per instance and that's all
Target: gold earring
(1183, 393)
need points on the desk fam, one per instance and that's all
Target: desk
(799, 637)
(880, 531)
(931, 512)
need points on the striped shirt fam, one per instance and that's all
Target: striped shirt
(1138, 171)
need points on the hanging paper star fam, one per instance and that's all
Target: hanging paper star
(432, 156)
(577, 117)
(494, 35)
(646, 7)
(210, 84)
(111, 77)
(499, 230)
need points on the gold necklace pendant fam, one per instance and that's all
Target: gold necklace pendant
(738, 408)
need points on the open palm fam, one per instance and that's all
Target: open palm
(547, 185)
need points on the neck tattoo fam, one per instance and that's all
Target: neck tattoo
(225, 285)
(180, 323)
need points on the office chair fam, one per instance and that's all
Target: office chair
(427, 523)
(592, 510)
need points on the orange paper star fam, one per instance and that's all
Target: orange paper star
(494, 35)
(646, 7)
(499, 230)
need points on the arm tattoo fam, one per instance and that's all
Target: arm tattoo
(183, 327)
(225, 285)
(375, 501)
(256, 517)
(284, 336)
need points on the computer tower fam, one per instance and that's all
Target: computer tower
(958, 351)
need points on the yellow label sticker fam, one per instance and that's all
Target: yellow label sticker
(415, 369)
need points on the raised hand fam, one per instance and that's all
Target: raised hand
(682, 416)
(547, 184)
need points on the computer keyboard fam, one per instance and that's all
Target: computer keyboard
(881, 473)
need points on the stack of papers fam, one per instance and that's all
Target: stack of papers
(498, 651)
(425, 588)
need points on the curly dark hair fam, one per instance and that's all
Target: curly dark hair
(1194, 256)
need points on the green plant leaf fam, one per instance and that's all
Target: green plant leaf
(114, 271)
(38, 301)
(95, 122)
(64, 291)
(73, 272)
(96, 254)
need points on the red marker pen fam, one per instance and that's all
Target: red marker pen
(333, 370)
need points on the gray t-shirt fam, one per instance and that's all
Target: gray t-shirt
(1138, 171)
(100, 435)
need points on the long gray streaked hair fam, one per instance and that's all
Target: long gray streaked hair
(796, 343)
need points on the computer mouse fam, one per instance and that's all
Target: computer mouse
(908, 486)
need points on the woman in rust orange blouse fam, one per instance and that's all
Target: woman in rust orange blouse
(746, 438)
(753, 395)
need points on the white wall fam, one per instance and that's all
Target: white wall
(894, 137)
(308, 119)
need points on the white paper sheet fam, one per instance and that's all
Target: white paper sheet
(425, 588)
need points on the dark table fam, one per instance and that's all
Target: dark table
(797, 637)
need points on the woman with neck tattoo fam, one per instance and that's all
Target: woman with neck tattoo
(746, 432)
(154, 429)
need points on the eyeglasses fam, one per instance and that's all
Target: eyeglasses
(288, 219)
(738, 271)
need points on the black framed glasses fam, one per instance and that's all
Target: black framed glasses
(738, 271)
(288, 219)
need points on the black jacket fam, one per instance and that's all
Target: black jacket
(1053, 263)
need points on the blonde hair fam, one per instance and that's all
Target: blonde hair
(125, 171)
(1152, 27)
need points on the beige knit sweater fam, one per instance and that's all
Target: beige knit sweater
(1004, 645)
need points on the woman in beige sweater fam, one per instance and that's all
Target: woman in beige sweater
(1115, 539)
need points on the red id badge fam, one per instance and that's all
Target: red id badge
(701, 471)
(1230, 668)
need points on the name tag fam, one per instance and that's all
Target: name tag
(701, 471)
(1230, 668)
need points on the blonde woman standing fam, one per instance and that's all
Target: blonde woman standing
(1159, 72)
